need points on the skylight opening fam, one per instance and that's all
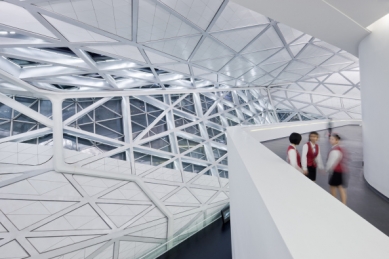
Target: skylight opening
(25, 63)
(99, 57)
(60, 50)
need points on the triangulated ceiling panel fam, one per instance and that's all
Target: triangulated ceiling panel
(222, 38)
(200, 12)
(236, 16)
(157, 23)
(111, 16)
(18, 17)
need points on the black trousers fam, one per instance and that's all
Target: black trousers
(311, 173)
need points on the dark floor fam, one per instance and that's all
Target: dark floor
(214, 242)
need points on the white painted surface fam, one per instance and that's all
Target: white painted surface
(281, 130)
(318, 19)
(365, 12)
(279, 213)
(374, 54)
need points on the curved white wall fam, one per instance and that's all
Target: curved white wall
(374, 66)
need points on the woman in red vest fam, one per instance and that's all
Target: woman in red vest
(293, 156)
(311, 157)
(335, 167)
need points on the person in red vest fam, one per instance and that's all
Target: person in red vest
(336, 168)
(293, 156)
(311, 157)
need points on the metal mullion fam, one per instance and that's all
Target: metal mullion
(172, 137)
(67, 95)
(192, 76)
(109, 129)
(158, 167)
(31, 129)
(180, 99)
(4, 122)
(328, 107)
(63, 61)
(152, 101)
(210, 25)
(294, 107)
(92, 137)
(12, 121)
(239, 53)
(121, 117)
(215, 104)
(51, 41)
(127, 130)
(202, 172)
(175, 129)
(94, 121)
(349, 90)
(79, 24)
(293, 58)
(150, 126)
(327, 99)
(153, 151)
(322, 114)
(290, 116)
(250, 102)
(335, 111)
(236, 102)
(92, 64)
(191, 149)
(46, 24)
(352, 107)
(85, 111)
(317, 93)
(156, 76)
(116, 249)
(135, 12)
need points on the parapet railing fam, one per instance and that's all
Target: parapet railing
(276, 212)
(162, 248)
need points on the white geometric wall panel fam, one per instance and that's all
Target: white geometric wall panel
(138, 154)
(172, 145)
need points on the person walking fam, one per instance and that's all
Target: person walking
(330, 125)
(293, 156)
(311, 157)
(336, 169)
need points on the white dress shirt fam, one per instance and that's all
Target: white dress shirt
(318, 160)
(292, 158)
(333, 159)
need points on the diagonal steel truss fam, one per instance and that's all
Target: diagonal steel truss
(100, 125)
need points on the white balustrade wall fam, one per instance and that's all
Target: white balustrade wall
(276, 212)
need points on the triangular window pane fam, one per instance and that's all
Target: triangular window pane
(192, 168)
(160, 144)
(193, 130)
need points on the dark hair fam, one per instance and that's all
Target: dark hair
(313, 133)
(336, 136)
(295, 138)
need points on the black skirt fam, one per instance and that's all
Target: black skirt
(337, 179)
(311, 173)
